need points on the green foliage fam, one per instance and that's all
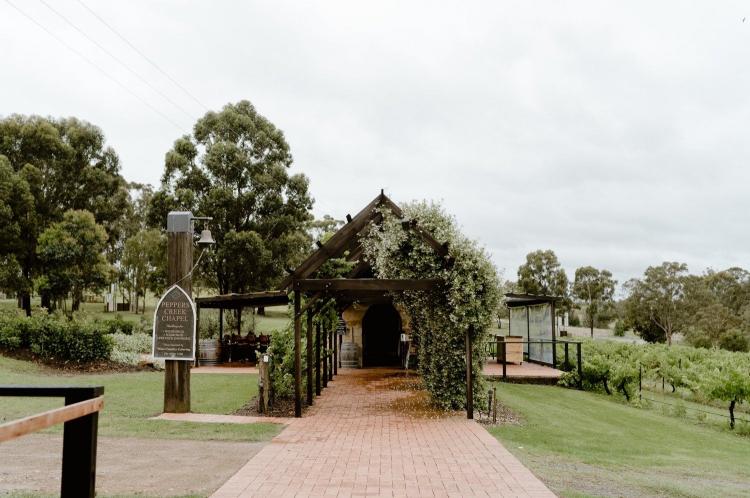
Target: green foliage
(709, 374)
(440, 319)
(51, 338)
(542, 274)
(595, 288)
(144, 263)
(118, 325)
(282, 364)
(734, 340)
(655, 308)
(129, 348)
(620, 328)
(58, 165)
(71, 252)
(234, 168)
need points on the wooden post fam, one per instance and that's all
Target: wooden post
(335, 351)
(297, 357)
(79, 448)
(330, 354)
(317, 359)
(309, 346)
(221, 324)
(179, 264)
(567, 358)
(264, 385)
(505, 359)
(554, 338)
(197, 335)
(325, 358)
(580, 368)
(469, 387)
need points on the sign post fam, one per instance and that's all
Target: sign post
(172, 337)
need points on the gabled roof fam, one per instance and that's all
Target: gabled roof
(347, 239)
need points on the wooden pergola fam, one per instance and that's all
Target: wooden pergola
(310, 295)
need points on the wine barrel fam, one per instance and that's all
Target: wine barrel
(209, 352)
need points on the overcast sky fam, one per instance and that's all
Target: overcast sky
(614, 133)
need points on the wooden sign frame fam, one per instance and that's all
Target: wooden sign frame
(195, 322)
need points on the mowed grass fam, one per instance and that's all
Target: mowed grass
(583, 444)
(130, 399)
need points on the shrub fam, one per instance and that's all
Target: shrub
(54, 339)
(118, 325)
(734, 340)
(136, 343)
(620, 328)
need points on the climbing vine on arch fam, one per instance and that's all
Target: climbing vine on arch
(467, 299)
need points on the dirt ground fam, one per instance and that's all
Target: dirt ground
(146, 467)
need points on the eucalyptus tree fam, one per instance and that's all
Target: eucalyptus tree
(596, 288)
(66, 165)
(234, 167)
(656, 303)
(542, 274)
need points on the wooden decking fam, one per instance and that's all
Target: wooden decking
(526, 372)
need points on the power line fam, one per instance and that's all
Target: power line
(92, 64)
(144, 56)
(117, 59)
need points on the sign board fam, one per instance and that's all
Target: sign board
(341, 327)
(174, 326)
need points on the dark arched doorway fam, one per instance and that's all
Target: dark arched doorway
(381, 333)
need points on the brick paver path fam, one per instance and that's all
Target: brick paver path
(361, 439)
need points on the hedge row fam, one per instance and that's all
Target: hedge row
(56, 339)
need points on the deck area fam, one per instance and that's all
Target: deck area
(525, 372)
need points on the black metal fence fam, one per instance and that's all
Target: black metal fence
(79, 432)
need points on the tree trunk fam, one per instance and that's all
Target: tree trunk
(606, 387)
(76, 300)
(624, 390)
(26, 302)
(731, 413)
(46, 300)
(261, 310)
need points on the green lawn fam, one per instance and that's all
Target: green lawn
(583, 444)
(131, 398)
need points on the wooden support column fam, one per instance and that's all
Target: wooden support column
(469, 387)
(330, 355)
(197, 334)
(317, 359)
(297, 357)
(309, 355)
(179, 264)
(221, 324)
(336, 351)
(325, 358)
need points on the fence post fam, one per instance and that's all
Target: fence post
(567, 359)
(79, 449)
(505, 360)
(580, 366)
(469, 387)
(640, 382)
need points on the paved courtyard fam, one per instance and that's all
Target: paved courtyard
(368, 435)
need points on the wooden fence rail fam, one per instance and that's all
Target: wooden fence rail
(81, 418)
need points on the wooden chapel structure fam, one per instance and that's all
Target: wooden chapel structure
(310, 294)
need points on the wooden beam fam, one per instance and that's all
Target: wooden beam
(297, 357)
(317, 359)
(309, 356)
(364, 284)
(469, 386)
(334, 244)
(27, 425)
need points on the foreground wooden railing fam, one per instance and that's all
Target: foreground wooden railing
(81, 418)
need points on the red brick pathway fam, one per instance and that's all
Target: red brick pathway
(355, 442)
